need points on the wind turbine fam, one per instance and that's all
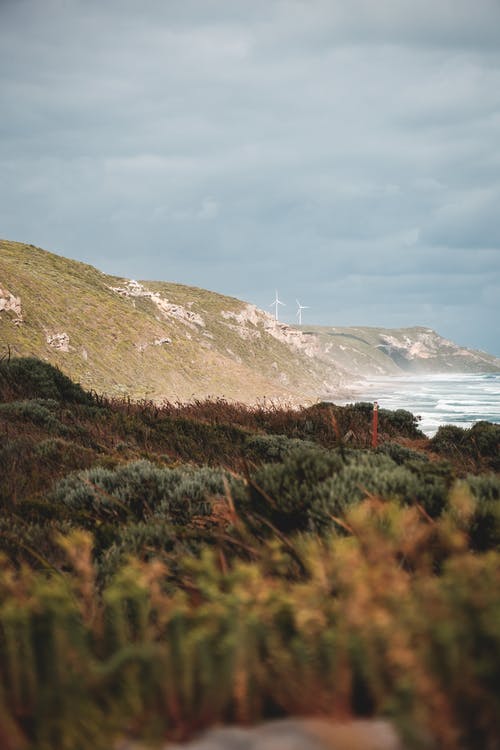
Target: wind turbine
(299, 310)
(275, 304)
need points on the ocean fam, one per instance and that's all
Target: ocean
(457, 399)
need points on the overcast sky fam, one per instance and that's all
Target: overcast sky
(346, 152)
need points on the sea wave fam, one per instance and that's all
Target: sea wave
(440, 399)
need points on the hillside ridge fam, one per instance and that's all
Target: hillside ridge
(152, 339)
(160, 340)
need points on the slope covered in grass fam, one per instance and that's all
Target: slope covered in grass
(150, 339)
(160, 340)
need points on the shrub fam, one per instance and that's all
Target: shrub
(401, 421)
(38, 411)
(433, 483)
(480, 443)
(311, 486)
(29, 468)
(285, 492)
(32, 542)
(31, 378)
(267, 448)
(400, 454)
(235, 643)
(485, 523)
(364, 474)
(141, 490)
(357, 418)
(448, 438)
(367, 473)
(59, 453)
(144, 540)
(485, 487)
(484, 438)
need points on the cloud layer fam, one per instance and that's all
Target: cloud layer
(346, 153)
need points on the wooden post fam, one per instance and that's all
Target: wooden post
(375, 425)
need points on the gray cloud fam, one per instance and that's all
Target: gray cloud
(344, 152)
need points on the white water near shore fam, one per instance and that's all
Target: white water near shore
(458, 399)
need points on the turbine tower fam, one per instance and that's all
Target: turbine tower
(275, 304)
(299, 310)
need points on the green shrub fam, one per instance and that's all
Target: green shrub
(38, 411)
(400, 454)
(480, 443)
(485, 487)
(448, 438)
(357, 418)
(144, 540)
(401, 421)
(32, 542)
(485, 439)
(364, 474)
(31, 378)
(485, 524)
(267, 448)
(434, 481)
(377, 474)
(29, 468)
(141, 490)
(60, 453)
(285, 492)
(310, 486)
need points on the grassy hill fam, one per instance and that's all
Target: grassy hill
(159, 340)
(151, 340)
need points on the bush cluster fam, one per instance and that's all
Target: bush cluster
(23, 378)
(309, 487)
(479, 443)
(141, 490)
(164, 568)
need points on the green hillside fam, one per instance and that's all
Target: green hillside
(150, 340)
(159, 340)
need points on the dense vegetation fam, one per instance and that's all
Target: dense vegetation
(167, 567)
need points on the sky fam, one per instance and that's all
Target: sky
(344, 153)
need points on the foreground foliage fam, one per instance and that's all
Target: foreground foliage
(167, 568)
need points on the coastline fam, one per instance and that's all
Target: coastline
(460, 399)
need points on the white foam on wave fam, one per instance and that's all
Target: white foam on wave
(458, 399)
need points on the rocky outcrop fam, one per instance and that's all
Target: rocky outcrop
(59, 341)
(420, 348)
(10, 303)
(367, 351)
(249, 322)
(133, 289)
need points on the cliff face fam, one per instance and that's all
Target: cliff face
(372, 351)
(161, 340)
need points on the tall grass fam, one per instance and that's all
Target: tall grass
(363, 625)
